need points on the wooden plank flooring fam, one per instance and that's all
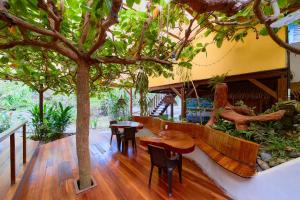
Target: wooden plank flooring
(5, 186)
(118, 176)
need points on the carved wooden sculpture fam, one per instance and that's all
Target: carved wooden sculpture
(239, 115)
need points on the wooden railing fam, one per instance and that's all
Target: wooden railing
(11, 134)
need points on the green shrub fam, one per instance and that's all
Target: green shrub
(56, 120)
(5, 122)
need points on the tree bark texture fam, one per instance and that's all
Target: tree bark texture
(82, 124)
(229, 7)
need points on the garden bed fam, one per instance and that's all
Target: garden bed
(279, 141)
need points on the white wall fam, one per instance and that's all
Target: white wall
(295, 65)
(278, 183)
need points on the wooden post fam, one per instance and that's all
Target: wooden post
(183, 103)
(24, 143)
(130, 99)
(172, 110)
(282, 88)
(41, 106)
(12, 160)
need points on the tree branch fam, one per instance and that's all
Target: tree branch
(225, 23)
(111, 20)
(188, 32)
(129, 61)
(229, 7)
(266, 21)
(53, 16)
(85, 26)
(54, 46)
(145, 27)
(11, 19)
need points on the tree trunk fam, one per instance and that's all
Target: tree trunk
(41, 106)
(82, 125)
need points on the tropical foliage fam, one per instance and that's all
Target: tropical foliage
(56, 120)
(280, 138)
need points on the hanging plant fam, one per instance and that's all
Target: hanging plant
(142, 83)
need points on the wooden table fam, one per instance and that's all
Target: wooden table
(125, 124)
(175, 141)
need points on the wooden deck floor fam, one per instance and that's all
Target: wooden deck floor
(5, 186)
(118, 176)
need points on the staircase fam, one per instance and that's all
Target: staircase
(159, 106)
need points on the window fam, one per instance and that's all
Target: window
(294, 33)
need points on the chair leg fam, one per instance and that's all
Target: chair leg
(180, 168)
(111, 138)
(118, 142)
(123, 146)
(170, 181)
(159, 171)
(134, 145)
(151, 170)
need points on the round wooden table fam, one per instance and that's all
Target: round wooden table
(175, 141)
(125, 124)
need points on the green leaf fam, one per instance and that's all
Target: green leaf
(130, 3)
(263, 31)
(186, 65)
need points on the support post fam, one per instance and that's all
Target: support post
(24, 144)
(12, 159)
(282, 88)
(183, 103)
(172, 110)
(130, 99)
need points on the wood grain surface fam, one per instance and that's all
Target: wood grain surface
(232, 153)
(118, 176)
(175, 141)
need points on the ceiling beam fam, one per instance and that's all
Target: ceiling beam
(263, 87)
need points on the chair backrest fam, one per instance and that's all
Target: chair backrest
(114, 130)
(129, 133)
(113, 122)
(158, 155)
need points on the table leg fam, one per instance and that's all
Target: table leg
(119, 142)
(180, 168)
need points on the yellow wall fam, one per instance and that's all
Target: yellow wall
(233, 58)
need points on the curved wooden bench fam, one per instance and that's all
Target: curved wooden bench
(232, 153)
(155, 125)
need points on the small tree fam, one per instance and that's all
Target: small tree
(40, 70)
(78, 31)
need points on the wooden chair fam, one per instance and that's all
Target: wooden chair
(159, 158)
(128, 135)
(114, 131)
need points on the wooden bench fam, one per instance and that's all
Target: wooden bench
(155, 125)
(232, 153)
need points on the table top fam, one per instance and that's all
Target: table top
(124, 124)
(175, 141)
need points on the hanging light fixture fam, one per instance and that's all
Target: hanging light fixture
(122, 102)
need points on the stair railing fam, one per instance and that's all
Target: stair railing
(153, 103)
